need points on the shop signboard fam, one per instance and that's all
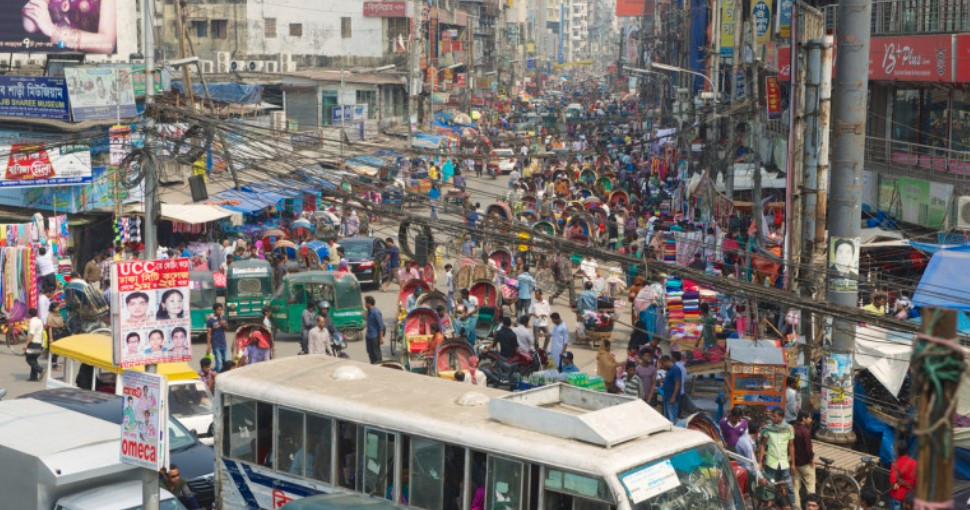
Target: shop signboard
(61, 29)
(761, 17)
(34, 165)
(836, 412)
(100, 92)
(34, 96)
(923, 58)
(772, 97)
(923, 202)
(633, 8)
(385, 9)
(144, 419)
(785, 8)
(962, 57)
(729, 23)
(150, 311)
(139, 82)
(784, 63)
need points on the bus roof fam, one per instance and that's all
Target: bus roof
(429, 407)
(95, 350)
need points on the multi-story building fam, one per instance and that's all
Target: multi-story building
(918, 126)
(568, 29)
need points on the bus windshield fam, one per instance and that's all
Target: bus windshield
(697, 478)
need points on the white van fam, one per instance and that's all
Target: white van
(118, 496)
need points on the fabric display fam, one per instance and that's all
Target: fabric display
(18, 284)
(23, 234)
(670, 249)
(186, 228)
(128, 230)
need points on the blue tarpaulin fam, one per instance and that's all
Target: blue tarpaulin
(246, 202)
(945, 281)
(933, 248)
(226, 92)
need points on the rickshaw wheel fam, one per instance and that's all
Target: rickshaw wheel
(353, 335)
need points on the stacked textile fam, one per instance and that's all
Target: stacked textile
(670, 249)
(675, 303)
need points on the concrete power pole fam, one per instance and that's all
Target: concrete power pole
(845, 205)
(413, 66)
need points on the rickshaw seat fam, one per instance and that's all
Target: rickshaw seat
(418, 343)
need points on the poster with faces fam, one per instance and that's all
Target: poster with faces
(150, 311)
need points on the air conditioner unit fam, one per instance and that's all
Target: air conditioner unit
(223, 60)
(271, 66)
(254, 66)
(288, 67)
(208, 66)
(963, 213)
(237, 65)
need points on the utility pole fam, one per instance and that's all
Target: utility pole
(845, 204)
(186, 76)
(794, 194)
(413, 64)
(938, 365)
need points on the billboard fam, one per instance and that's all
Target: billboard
(34, 165)
(44, 26)
(33, 96)
(385, 9)
(100, 92)
(911, 58)
(772, 97)
(144, 419)
(633, 8)
(729, 24)
(962, 57)
(150, 311)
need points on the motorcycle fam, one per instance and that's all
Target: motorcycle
(3, 393)
(500, 371)
(338, 343)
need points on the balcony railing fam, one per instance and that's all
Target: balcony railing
(914, 155)
(912, 17)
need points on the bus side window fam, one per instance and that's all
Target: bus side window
(239, 425)
(504, 485)
(378, 462)
(427, 473)
(574, 491)
(347, 455)
(264, 434)
(319, 448)
(290, 455)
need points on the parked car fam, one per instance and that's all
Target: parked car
(118, 496)
(195, 460)
(502, 161)
(365, 256)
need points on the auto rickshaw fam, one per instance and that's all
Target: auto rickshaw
(298, 289)
(202, 295)
(249, 283)
(86, 308)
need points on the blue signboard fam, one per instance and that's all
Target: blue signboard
(530, 63)
(34, 96)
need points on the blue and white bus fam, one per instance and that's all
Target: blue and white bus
(306, 425)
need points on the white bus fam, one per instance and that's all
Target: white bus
(306, 425)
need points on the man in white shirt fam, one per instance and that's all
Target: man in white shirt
(44, 305)
(469, 302)
(539, 312)
(35, 344)
(527, 342)
(46, 267)
(588, 268)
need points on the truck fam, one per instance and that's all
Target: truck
(52, 452)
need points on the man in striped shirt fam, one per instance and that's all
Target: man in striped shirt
(632, 385)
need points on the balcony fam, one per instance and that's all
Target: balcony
(917, 156)
(912, 17)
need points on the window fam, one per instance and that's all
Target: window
(378, 463)
(319, 448)
(961, 121)
(695, 478)
(570, 490)
(200, 28)
(264, 434)
(427, 470)
(296, 30)
(347, 455)
(368, 97)
(504, 486)
(269, 28)
(239, 427)
(220, 29)
(290, 454)
(345, 28)
(905, 115)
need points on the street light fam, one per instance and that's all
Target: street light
(675, 69)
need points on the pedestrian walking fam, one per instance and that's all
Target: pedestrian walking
(793, 399)
(671, 388)
(307, 321)
(92, 271)
(450, 286)
(215, 338)
(804, 472)
(433, 195)
(319, 341)
(35, 344)
(778, 451)
(375, 330)
(526, 286)
(560, 339)
(539, 311)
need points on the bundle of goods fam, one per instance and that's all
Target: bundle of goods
(698, 356)
(583, 380)
(598, 321)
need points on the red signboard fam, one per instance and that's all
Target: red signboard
(385, 9)
(784, 63)
(28, 163)
(927, 58)
(962, 59)
(634, 8)
(773, 97)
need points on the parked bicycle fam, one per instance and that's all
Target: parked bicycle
(14, 334)
(837, 489)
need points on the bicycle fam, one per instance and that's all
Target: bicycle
(14, 335)
(874, 477)
(837, 489)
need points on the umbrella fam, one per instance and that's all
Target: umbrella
(302, 223)
(476, 115)
(286, 247)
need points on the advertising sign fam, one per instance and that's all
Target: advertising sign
(843, 264)
(385, 10)
(51, 27)
(836, 412)
(33, 96)
(37, 165)
(963, 56)
(913, 58)
(784, 63)
(144, 419)
(100, 92)
(761, 17)
(150, 311)
(772, 97)
(729, 23)
(923, 202)
(138, 80)
(632, 8)
(785, 8)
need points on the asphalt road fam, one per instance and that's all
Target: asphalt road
(14, 370)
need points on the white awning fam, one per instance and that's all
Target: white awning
(192, 214)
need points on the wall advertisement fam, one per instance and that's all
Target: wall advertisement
(144, 422)
(150, 312)
(926, 58)
(100, 92)
(33, 165)
(43, 26)
(836, 412)
(34, 96)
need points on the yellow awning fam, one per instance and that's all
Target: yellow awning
(95, 350)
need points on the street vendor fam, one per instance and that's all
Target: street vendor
(587, 300)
